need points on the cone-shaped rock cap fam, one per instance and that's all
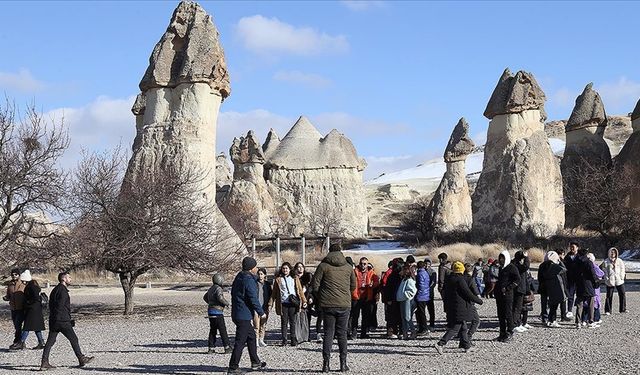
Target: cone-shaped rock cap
(588, 111)
(188, 52)
(515, 94)
(636, 112)
(271, 143)
(246, 150)
(304, 148)
(460, 145)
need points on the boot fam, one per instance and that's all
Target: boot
(17, 346)
(325, 365)
(39, 346)
(45, 365)
(343, 365)
(83, 360)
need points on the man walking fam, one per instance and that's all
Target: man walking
(60, 322)
(244, 305)
(333, 283)
(15, 296)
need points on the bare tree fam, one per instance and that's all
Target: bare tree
(418, 219)
(159, 221)
(32, 184)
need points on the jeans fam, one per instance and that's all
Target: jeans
(478, 281)
(432, 312)
(288, 318)
(335, 321)
(245, 335)
(17, 316)
(216, 323)
(68, 332)
(505, 313)
(405, 312)
(580, 306)
(421, 316)
(454, 328)
(25, 334)
(608, 303)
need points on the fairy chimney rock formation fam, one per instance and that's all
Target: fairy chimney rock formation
(271, 143)
(223, 176)
(585, 148)
(451, 203)
(628, 160)
(177, 109)
(520, 186)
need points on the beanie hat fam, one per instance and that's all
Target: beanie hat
(26, 276)
(458, 267)
(248, 263)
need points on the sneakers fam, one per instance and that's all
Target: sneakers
(527, 326)
(84, 360)
(262, 343)
(520, 329)
(392, 336)
(607, 313)
(553, 325)
(569, 314)
(258, 366)
(319, 338)
(566, 319)
(507, 339)
(594, 325)
(438, 348)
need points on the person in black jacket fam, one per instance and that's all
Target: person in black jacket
(433, 282)
(394, 323)
(33, 319)
(60, 322)
(586, 279)
(508, 280)
(474, 317)
(264, 296)
(458, 299)
(244, 306)
(521, 261)
(216, 302)
(571, 264)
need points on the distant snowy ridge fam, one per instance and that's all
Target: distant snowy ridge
(431, 172)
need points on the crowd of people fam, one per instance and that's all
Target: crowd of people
(344, 297)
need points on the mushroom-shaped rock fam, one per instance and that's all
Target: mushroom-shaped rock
(514, 94)
(299, 149)
(271, 143)
(188, 52)
(588, 111)
(460, 144)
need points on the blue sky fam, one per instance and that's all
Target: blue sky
(393, 76)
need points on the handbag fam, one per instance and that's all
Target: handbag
(293, 298)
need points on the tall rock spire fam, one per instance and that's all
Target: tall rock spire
(460, 144)
(588, 111)
(514, 94)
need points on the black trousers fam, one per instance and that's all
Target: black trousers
(373, 315)
(394, 321)
(608, 303)
(357, 307)
(504, 303)
(421, 316)
(245, 335)
(453, 329)
(518, 299)
(17, 317)
(217, 324)
(544, 307)
(67, 331)
(553, 311)
(432, 312)
(571, 294)
(335, 321)
(288, 318)
(474, 323)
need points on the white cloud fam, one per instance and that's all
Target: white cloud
(304, 79)
(563, 98)
(22, 81)
(387, 159)
(362, 5)
(100, 125)
(355, 127)
(235, 124)
(619, 97)
(271, 36)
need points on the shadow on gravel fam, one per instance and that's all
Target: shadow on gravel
(177, 344)
(159, 369)
(101, 310)
(18, 368)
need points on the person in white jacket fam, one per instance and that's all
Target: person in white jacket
(406, 291)
(614, 275)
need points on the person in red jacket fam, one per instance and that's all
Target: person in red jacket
(362, 298)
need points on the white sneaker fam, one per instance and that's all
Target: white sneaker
(584, 324)
(527, 326)
(555, 325)
(599, 321)
(262, 343)
(607, 313)
(569, 314)
(520, 329)
(594, 325)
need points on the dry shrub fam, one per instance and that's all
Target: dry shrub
(536, 255)
(463, 251)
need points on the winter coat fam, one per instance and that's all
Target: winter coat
(276, 294)
(522, 270)
(494, 273)
(367, 283)
(553, 276)
(433, 281)
(614, 272)
(244, 297)
(572, 266)
(15, 295)
(508, 277)
(477, 270)
(59, 307)
(443, 272)
(333, 282)
(474, 289)
(391, 287)
(423, 284)
(407, 290)
(585, 277)
(599, 275)
(33, 319)
(266, 294)
(458, 298)
(215, 300)
(542, 269)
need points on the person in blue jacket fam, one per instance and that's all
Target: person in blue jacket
(244, 304)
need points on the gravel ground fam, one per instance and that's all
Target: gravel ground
(168, 336)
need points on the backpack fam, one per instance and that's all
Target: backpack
(44, 300)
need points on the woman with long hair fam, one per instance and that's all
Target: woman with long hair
(33, 319)
(289, 299)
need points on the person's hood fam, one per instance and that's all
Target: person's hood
(613, 253)
(552, 256)
(507, 257)
(335, 258)
(26, 276)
